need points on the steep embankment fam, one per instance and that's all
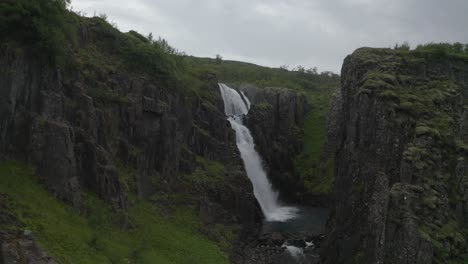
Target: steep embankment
(113, 115)
(276, 120)
(401, 164)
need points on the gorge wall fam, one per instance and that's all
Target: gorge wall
(83, 129)
(276, 120)
(401, 159)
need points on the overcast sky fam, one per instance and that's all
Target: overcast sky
(312, 33)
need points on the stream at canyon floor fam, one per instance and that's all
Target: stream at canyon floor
(294, 241)
(302, 234)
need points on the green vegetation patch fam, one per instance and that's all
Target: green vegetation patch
(207, 174)
(315, 170)
(439, 236)
(425, 107)
(264, 105)
(44, 25)
(441, 51)
(98, 235)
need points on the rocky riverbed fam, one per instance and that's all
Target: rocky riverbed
(296, 241)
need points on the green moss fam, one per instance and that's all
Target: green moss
(389, 95)
(264, 105)
(417, 152)
(224, 235)
(461, 146)
(42, 120)
(358, 257)
(440, 236)
(45, 26)
(379, 80)
(105, 95)
(97, 236)
(424, 130)
(365, 90)
(200, 130)
(420, 99)
(127, 178)
(315, 124)
(426, 107)
(442, 51)
(315, 171)
(185, 148)
(207, 174)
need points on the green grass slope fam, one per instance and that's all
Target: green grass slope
(96, 235)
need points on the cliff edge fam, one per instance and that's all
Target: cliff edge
(401, 160)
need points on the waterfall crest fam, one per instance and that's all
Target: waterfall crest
(236, 106)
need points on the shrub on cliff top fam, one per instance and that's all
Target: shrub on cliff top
(41, 24)
(443, 50)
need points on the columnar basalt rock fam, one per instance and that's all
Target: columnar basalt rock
(276, 120)
(80, 130)
(400, 167)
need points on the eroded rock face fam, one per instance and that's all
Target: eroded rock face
(18, 246)
(334, 118)
(400, 167)
(276, 120)
(79, 135)
(21, 248)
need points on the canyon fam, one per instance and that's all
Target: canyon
(117, 150)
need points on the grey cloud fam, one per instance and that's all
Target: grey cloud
(293, 32)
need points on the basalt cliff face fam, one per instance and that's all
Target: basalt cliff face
(82, 128)
(401, 159)
(276, 120)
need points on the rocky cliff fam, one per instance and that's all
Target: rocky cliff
(85, 126)
(276, 120)
(401, 162)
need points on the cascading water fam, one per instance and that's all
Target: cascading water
(236, 105)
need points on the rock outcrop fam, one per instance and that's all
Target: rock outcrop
(276, 120)
(334, 118)
(401, 163)
(21, 248)
(18, 246)
(82, 127)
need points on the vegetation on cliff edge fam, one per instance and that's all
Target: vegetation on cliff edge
(428, 107)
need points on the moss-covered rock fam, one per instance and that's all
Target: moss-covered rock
(400, 168)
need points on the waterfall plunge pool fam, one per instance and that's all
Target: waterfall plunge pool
(308, 221)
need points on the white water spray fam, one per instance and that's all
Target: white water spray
(296, 253)
(236, 105)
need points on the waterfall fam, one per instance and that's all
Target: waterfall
(236, 106)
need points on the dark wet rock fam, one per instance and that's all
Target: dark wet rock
(276, 120)
(263, 252)
(296, 243)
(399, 197)
(333, 124)
(271, 239)
(277, 239)
(80, 132)
(17, 247)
